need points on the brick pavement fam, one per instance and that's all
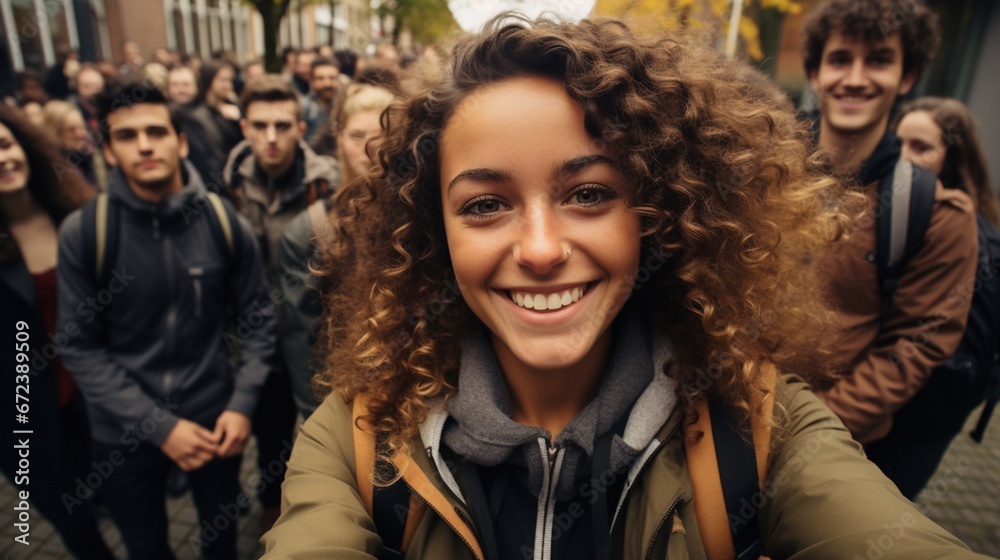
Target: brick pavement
(964, 497)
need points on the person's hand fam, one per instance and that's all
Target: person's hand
(231, 432)
(190, 445)
(231, 112)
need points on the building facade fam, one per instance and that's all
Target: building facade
(37, 32)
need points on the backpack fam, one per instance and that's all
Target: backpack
(972, 375)
(726, 471)
(101, 221)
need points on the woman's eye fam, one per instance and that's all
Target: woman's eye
(481, 207)
(487, 207)
(590, 196)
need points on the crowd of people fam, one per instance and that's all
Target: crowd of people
(487, 284)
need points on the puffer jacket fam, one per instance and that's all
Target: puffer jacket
(822, 498)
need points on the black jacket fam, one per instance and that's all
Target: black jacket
(151, 344)
(19, 314)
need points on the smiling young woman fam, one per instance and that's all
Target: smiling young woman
(562, 250)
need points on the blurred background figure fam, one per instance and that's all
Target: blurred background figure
(324, 86)
(355, 124)
(33, 202)
(75, 142)
(133, 58)
(303, 70)
(29, 87)
(33, 110)
(182, 86)
(211, 123)
(89, 82)
(940, 134)
(253, 71)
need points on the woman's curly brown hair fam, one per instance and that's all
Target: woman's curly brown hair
(732, 209)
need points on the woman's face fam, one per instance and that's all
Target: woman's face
(923, 143)
(222, 83)
(13, 163)
(358, 130)
(73, 134)
(543, 246)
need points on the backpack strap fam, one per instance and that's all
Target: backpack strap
(223, 220)
(907, 198)
(395, 509)
(727, 471)
(100, 224)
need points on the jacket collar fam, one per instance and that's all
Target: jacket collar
(311, 169)
(175, 205)
(882, 160)
(644, 429)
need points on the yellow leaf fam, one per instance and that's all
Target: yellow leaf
(751, 38)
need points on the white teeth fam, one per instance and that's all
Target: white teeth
(542, 302)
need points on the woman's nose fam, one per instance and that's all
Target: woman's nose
(541, 246)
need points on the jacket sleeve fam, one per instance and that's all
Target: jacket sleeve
(103, 382)
(924, 327)
(322, 515)
(823, 499)
(299, 309)
(255, 324)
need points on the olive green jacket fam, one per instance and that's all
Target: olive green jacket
(822, 499)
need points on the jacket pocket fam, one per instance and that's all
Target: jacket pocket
(203, 279)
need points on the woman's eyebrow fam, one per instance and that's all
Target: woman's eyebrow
(483, 175)
(576, 164)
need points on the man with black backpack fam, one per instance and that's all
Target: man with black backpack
(891, 283)
(149, 276)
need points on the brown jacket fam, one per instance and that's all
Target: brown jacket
(888, 363)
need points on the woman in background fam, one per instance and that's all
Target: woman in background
(940, 134)
(34, 200)
(354, 125)
(78, 149)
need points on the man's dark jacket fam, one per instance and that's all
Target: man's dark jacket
(152, 343)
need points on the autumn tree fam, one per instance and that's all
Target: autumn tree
(271, 12)
(427, 20)
(709, 18)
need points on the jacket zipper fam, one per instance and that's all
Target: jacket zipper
(445, 519)
(548, 486)
(171, 306)
(196, 274)
(628, 491)
(659, 526)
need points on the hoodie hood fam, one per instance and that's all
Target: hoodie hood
(882, 161)
(308, 168)
(478, 425)
(172, 206)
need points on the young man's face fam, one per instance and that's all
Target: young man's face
(273, 129)
(858, 82)
(143, 143)
(325, 82)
